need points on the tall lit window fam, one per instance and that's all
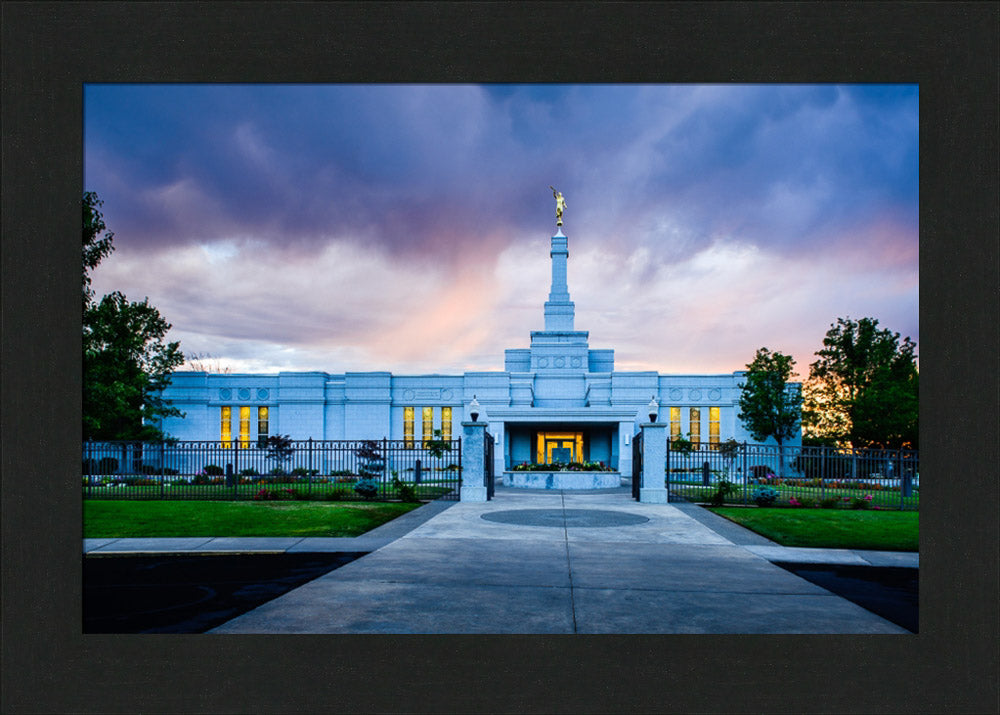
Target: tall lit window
(694, 423)
(225, 429)
(408, 426)
(445, 423)
(713, 425)
(675, 422)
(427, 418)
(263, 425)
(244, 427)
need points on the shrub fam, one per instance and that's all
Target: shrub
(265, 494)
(764, 496)
(761, 473)
(213, 470)
(303, 472)
(249, 472)
(343, 473)
(862, 502)
(141, 482)
(405, 491)
(336, 495)
(367, 488)
(723, 489)
(829, 503)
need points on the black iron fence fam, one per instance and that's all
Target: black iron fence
(302, 469)
(488, 471)
(741, 473)
(636, 465)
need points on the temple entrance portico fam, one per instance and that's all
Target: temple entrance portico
(546, 436)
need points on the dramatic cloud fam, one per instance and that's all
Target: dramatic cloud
(405, 228)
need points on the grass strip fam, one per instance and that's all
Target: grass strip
(131, 519)
(830, 528)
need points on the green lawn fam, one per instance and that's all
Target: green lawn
(830, 528)
(123, 519)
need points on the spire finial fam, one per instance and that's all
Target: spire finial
(560, 205)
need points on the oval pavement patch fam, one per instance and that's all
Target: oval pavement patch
(565, 517)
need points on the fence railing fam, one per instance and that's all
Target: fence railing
(319, 469)
(822, 476)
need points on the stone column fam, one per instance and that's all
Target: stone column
(654, 463)
(473, 462)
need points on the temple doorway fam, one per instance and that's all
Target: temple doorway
(562, 447)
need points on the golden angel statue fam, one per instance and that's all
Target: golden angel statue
(560, 205)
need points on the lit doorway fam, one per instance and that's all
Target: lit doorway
(562, 447)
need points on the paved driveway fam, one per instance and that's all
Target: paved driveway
(563, 562)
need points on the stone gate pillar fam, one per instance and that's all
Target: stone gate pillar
(473, 462)
(653, 489)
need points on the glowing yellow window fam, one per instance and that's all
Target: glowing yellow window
(244, 427)
(427, 420)
(445, 423)
(675, 422)
(562, 447)
(225, 428)
(408, 426)
(713, 425)
(262, 425)
(694, 424)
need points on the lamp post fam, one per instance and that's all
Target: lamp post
(653, 409)
(474, 409)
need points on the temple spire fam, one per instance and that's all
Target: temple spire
(559, 308)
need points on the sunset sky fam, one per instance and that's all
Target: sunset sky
(406, 227)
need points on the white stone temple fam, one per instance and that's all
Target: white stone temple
(556, 400)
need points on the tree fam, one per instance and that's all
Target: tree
(126, 361)
(770, 407)
(97, 241)
(864, 388)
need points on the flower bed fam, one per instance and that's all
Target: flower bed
(563, 467)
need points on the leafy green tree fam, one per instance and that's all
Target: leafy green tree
(864, 388)
(97, 241)
(770, 407)
(126, 361)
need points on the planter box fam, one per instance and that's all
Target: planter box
(562, 480)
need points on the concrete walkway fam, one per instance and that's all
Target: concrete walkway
(557, 562)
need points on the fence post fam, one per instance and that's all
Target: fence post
(309, 469)
(473, 469)
(654, 461)
(822, 471)
(744, 471)
(666, 468)
(90, 469)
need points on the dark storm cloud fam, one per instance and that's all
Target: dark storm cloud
(418, 168)
(321, 219)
